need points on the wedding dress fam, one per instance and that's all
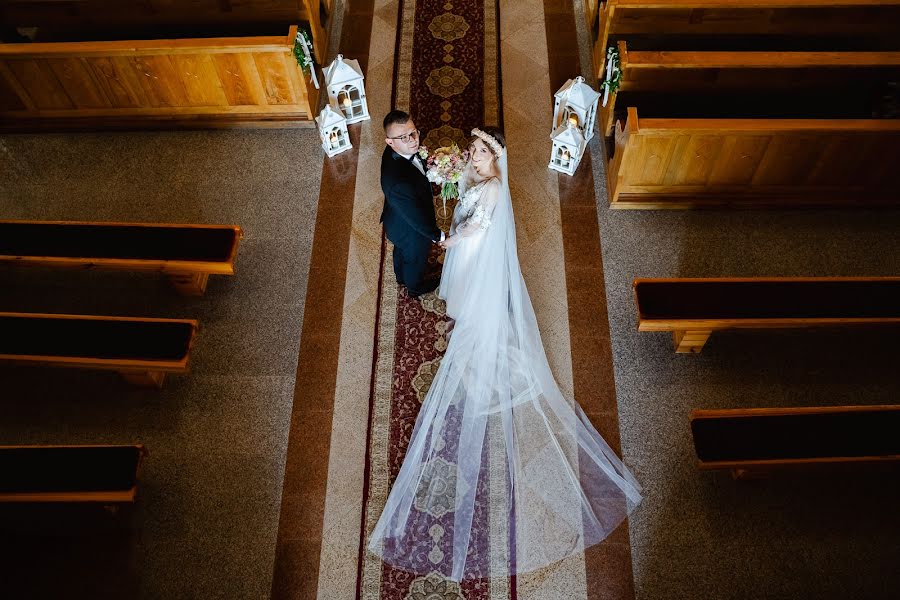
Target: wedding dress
(503, 474)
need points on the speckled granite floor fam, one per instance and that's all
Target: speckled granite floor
(207, 517)
(703, 535)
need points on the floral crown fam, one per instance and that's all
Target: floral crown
(490, 140)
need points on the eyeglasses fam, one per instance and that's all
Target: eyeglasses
(406, 137)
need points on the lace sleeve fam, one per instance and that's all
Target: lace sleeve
(480, 218)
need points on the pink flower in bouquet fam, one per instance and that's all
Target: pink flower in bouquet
(445, 168)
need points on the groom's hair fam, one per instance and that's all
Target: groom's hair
(395, 117)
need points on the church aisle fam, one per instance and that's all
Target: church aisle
(559, 251)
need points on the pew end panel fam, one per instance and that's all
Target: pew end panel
(605, 13)
(626, 146)
(106, 475)
(590, 12)
(754, 443)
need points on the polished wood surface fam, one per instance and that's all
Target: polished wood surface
(682, 163)
(137, 83)
(690, 334)
(189, 277)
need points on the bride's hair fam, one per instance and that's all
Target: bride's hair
(497, 134)
(489, 135)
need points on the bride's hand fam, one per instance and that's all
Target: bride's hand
(449, 242)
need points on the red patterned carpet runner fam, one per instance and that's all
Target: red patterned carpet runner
(447, 78)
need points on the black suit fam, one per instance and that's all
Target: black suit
(408, 219)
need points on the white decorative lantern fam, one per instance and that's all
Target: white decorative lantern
(344, 82)
(568, 148)
(576, 102)
(333, 130)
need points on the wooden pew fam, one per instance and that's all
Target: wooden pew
(187, 254)
(724, 24)
(778, 73)
(140, 84)
(94, 474)
(751, 152)
(109, 15)
(754, 441)
(142, 350)
(694, 308)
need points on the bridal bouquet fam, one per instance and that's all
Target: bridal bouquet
(445, 168)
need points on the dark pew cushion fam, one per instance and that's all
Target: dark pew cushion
(797, 436)
(768, 299)
(886, 41)
(815, 103)
(75, 240)
(95, 338)
(68, 469)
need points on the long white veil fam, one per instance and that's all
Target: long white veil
(503, 474)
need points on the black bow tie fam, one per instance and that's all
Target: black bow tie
(413, 157)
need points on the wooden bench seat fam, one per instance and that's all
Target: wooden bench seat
(755, 440)
(102, 474)
(764, 158)
(142, 350)
(187, 254)
(765, 24)
(120, 15)
(750, 84)
(693, 308)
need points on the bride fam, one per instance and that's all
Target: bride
(503, 474)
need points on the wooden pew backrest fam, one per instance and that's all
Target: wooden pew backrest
(200, 82)
(69, 473)
(778, 437)
(680, 163)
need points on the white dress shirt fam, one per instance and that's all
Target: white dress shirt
(417, 162)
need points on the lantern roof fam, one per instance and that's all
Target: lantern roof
(569, 135)
(577, 93)
(329, 117)
(342, 71)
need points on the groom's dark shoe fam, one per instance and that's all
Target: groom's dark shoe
(423, 288)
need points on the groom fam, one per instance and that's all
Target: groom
(408, 214)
